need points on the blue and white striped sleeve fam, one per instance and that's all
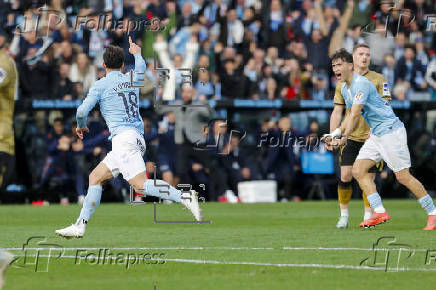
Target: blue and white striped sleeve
(83, 110)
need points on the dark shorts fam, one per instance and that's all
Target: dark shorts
(166, 163)
(7, 168)
(349, 153)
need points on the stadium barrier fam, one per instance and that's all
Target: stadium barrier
(246, 104)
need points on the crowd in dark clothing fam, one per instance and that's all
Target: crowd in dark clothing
(255, 49)
(249, 49)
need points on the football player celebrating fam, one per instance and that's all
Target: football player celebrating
(388, 140)
(118, 102)
(349, 152)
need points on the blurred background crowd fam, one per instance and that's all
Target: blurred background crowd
(236, 49)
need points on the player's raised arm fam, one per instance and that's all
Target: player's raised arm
(139, 61)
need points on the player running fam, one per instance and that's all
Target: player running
(349, 152)
(119, 106)
(388, 140)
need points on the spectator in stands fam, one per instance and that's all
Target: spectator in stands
(202, 65)
(354, 37)
(317, 47)
(64, 52)
(231, 29)
(186, 18)
(79, 93)
(388, 70)
(281, 162)
(320, 89)
(167, 152)
(36, 80)
(252, 76)
(217, 140)
(174, 76)
(272, 91)
(410, 72)
(233, 163)
(400, 42)
(297, 50)
(179, 44)
(361, 13)
(295, 80)
(55, 174)
(342, 38)
(63, 87)
(204, 86)
(382, 42)
(82, 71)
(421, 54)
(274, 28)
(232, 80)
(249, 49)
(430, 77)
(305, 20)
(189, 122)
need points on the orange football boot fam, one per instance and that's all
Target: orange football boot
(431, 223)
(377, 218)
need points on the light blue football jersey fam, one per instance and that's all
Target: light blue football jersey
(117, 99)
(377, 112)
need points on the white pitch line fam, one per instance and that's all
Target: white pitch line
(227, 248)
(326, 266)
(321, 266)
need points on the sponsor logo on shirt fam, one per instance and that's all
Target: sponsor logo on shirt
(386, 91)
(358, 96)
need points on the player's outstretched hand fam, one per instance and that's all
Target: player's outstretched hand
(134, 48)
(327, 139)
(80, 131)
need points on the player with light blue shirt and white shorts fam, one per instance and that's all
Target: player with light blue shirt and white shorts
(118, 102)
(387, 141)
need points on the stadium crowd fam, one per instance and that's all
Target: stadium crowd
(237, 49)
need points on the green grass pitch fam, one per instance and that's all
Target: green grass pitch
(247, 246)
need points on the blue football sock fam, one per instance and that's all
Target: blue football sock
(92, 201)
(376, 203)
(162, 189)
(427, 204)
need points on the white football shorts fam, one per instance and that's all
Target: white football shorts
(128, 147)
(391, 147)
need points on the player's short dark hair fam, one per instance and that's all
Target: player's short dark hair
(343, 55)
(113, 57)
(360, 45)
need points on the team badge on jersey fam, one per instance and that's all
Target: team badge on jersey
(358, 96)
(386, 91)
